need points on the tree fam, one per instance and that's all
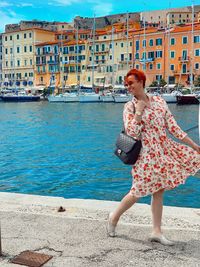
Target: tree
(197, 81)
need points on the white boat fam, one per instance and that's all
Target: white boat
(56, 98)
(71, 97)
(87, 97)
(171, 97)
(122, 98)
(107, 97)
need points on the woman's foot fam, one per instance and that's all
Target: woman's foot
(160, 238)
(110, 226)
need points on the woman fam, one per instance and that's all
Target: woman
(163, 164)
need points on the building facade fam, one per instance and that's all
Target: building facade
(19, 54)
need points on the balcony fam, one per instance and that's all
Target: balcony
(183, 59)
(125, 61)
(52, 62)
(147, 60)
(101, 52)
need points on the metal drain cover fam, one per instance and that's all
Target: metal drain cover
(31, 259)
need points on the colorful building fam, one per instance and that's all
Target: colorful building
(18, 61)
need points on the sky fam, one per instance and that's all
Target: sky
(12, 11)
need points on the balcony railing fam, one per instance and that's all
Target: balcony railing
(184, 59)
(151, 59)
(53, 62)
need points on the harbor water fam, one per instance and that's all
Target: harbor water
(66, 150)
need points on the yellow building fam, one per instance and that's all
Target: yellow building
(19, 54)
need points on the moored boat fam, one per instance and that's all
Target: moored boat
(187, 99)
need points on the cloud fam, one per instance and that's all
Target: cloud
(25, 4)
(102, 9)
(8, 17)
(63, 2)
(5, 4)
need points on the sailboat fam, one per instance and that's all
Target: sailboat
(88, 94)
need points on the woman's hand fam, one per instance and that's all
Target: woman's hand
(140, 106)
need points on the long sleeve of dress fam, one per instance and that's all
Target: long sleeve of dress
(172, 125)
(132, 127)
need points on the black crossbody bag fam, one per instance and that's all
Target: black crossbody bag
(127, 148)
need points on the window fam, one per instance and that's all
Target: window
(110, 45)
(122, 57)
(184, 40)
(137, 67)
(137, 45)
(6, 51)
(25, 62)
(184, 54)
(158, 66)
(88, 79)
(151, 54)
(24, 35)
(6, 38)
(30, 48)
(122, 44)
(197, 52)
(151, 66)
(131, 43)
(18, 62)
(103, 47)
(25, 49)
(159, 41)
(18, 49)
(151, 42)
(144, 67)
(97, 48)
(11, 50)
(158, 77)
(196, 66)
(31, 62)
(184, 68)
(159, 54)
(172, 41)
(137, 56)
(10, 37)
(172, 67)
(144, 43)
(197, 39)
(144, 55)
(17, 36)
(172, 54)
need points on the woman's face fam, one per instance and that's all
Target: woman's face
(134, 86)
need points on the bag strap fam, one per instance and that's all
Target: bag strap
(123, 129)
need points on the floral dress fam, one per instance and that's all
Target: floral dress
(162, 163)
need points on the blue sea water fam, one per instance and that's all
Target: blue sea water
(66, 149)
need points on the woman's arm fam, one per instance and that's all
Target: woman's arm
(191, 143)
(132, 122)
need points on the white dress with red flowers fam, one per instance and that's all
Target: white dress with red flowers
(162, 163)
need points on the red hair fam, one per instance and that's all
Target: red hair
(139, 76)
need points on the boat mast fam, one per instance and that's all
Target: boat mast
(62, 65)
(127, 30)
(192, 48)
(93, 48)
(77, 56)
(113, 62)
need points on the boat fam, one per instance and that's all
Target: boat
(56, 98)
(19, 97)
(121, 95)
(187, 99)
(87, 97)
(107, 97)
(171, 97)
(71, 97)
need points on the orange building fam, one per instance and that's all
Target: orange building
(169, 54)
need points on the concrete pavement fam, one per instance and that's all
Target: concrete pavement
(77, 237)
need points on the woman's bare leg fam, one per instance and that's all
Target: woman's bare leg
(124, 205)
(157, 208)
